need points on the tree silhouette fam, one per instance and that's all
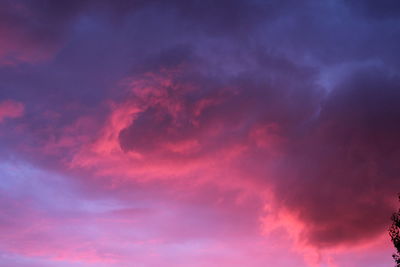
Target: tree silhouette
(394, 232)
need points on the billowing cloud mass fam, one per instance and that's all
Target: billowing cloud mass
(198, 133)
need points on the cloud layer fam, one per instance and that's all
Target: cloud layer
(198, 133)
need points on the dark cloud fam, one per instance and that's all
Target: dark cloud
(339, 168)
(186, 104)
(385, 9)
(341, 177)
(46, 19)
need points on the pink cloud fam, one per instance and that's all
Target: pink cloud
(170, 130)
(243, 157)
(10, 109)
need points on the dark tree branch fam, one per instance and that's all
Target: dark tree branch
(394, 232)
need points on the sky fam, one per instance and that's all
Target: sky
(212, 133)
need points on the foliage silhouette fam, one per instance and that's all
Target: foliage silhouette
(394, 232)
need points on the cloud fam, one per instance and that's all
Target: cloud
(34, 31)
(50, 219)
(185, 118)
(343, 169)
(330, 162)
(10, 109)
(224, 120)
(387, 9)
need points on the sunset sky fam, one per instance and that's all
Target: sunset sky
(198, 133)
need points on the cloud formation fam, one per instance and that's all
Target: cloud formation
(198, 132)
